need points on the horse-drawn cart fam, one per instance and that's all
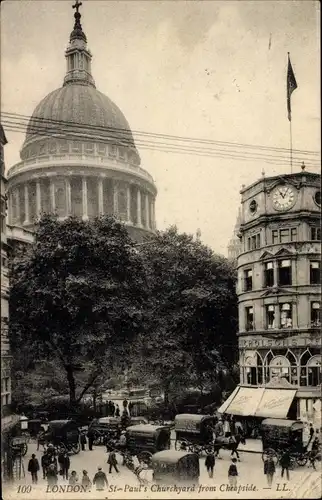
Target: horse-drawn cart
(145, 440)
(63, 434)
(279, 435)
(193, 432)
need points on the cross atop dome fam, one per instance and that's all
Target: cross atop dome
(77, 31)
(77, 55)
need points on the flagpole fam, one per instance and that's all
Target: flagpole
(291, 146)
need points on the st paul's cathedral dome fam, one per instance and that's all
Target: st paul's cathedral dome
(79, 156)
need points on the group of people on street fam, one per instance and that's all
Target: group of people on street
(232, 469)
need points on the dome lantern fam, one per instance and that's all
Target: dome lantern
(77, 56)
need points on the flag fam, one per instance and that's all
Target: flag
(291, 85)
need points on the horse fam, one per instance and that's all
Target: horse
(228, 443)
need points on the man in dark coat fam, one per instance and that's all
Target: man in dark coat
(285, 462)
(65, 466)
(210, 464)
(83, 441)
(112, 462)
(45, 464)
(100, 479)
(33, 468)
(90, 436)
(269, 470)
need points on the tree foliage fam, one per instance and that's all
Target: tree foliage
(192, 312)
(77, 298)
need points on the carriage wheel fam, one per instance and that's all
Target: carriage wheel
(179, 443)
(75, 448)
(144, 458)
(301, 459)
(272, 452)
(24, 449)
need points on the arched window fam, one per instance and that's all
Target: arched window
(253, 368)
(294, 367)
(314, 370)
(306, 356)
(268, 358)
(280, 367)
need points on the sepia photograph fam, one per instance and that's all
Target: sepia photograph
(160, 249)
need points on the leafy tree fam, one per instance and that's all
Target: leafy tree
(77, 298)
(193, 312)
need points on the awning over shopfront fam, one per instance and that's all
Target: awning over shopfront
(259, 402)
(275, 403)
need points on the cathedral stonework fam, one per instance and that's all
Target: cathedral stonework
(79, 157)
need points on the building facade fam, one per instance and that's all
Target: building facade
(79, 157)
(279, 287)
(5, 349)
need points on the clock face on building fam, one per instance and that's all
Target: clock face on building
(284, 197)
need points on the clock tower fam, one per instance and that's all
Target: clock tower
(279, 297)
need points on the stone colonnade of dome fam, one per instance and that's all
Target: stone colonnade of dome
(83, 185)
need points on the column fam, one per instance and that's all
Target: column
(138, 208)
(100, 197)
(10, 207)
(68, 197)
(26, 221)
(18, 205)
(52, 194)
(115, 199)
(128, 204)
(84, 192)
(147, 223)
(38, 198)
(275, 271)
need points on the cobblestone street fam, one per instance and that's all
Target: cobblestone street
(304, 482)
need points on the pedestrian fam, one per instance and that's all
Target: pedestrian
(65, 466)
(44, 464)
(61, 461)
(210, 464)
(90, 435)
(233, 473)
(285, 462)
(239, 428)
(269, 469)
(100, 479)
(52, 477)
(313, 454)
(311, 432)
(33, 468)
(73, 478)
(122, 445)
(117, 411)
(86, 482)
(112, 462)
(83, 441)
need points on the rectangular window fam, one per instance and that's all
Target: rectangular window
(121, 153)
(274, 236)
(112, 150)
(76, 147)
(286, 315)
(269, 275)
(270, 316)
(248, 280)
(253, 242)
(315, 272)
(89, 147)
(284, 272)
(52, 148)
(315, 314)
(284, 235)
(293, 234)
(249, 318)
(315, 233)
(101, 148)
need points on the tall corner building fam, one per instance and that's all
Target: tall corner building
(79, 157)
(279, 297)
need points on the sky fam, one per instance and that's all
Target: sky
(213, 70)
